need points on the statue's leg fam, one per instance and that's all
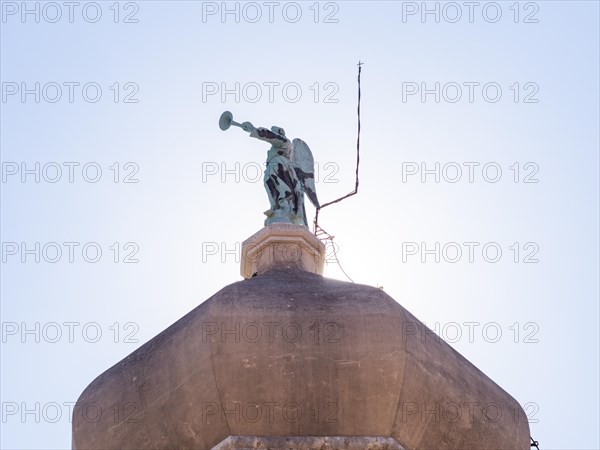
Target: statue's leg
(278, 198)
(283, 196)
(272, 192)
(303, 213)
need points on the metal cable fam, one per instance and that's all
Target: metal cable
(320, 232)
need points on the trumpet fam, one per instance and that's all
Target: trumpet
(226, 120)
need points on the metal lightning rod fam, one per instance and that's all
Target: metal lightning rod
(317, 229)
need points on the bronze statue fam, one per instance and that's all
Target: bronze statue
(289, 172)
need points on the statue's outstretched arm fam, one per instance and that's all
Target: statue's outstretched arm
(264, 134)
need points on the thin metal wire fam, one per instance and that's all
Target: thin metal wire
(355, 191)
(320, 232)
(534, 443)
(338, 261)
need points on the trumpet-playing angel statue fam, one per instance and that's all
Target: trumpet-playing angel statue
(289, 172)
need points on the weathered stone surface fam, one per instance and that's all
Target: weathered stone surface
(282, 245)
(290, 353)
(308, 443)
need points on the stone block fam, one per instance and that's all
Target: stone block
(282, 245)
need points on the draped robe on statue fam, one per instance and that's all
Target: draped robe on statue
(281, 182)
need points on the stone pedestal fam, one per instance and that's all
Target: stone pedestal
(282, 245)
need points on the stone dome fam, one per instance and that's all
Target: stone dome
(292, 357)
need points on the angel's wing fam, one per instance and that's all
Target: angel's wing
(304, 164)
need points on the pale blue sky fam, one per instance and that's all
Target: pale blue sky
(173, 60)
